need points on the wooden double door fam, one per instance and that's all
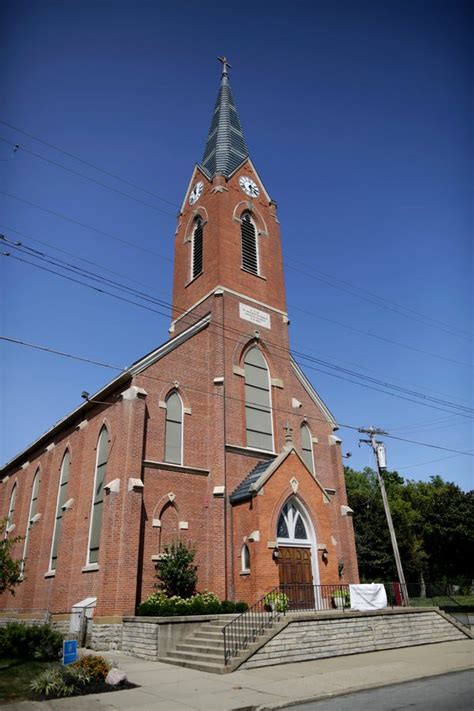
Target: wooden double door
(296, 576)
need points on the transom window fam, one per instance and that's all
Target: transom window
(258, 413)
(249, 244)
(291, 525)
(197, 248)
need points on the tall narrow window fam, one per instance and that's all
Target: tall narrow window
(249, 244)
(174, 429)
(307, 447)
(62, 498)
(197, 248)
(98, 498)
(258, 413)
(32, 513)
(11, 511)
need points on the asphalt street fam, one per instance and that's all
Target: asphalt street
(450, 692)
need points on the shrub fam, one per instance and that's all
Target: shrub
(95, 666)
(59, 681)
(176, 573)
(241, 607)
(20, 641)
(277, 601)
(159, 605)
(228, 606)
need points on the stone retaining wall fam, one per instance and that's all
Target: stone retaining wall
(104, 637)
(314, 639)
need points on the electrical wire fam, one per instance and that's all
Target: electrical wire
(304, 356)
(217, 394)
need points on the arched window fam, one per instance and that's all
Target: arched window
(32, 512)
(258, 412)
(197, 248)
(11, 510)
(291, 525)
(248, 233)
(307, 447)
(98, 495)
(245, 559)
(174, 429)
(62, 498)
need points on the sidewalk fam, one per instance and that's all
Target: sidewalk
(168, 688)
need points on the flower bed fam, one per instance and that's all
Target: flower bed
(160, 605)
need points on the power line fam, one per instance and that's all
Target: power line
(116, 285)
(375, 382)
(430, 461)
(309, 313)
(386, 303)
(86, 177)
(217, 394)
(90, 165)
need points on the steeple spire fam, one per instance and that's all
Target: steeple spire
(225, 146)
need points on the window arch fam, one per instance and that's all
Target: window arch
(248, 233)
(32, 512)
(245, 559)
(307, 447)
(98, 495)
(62, 498)
(174, 429)
(291, 525)
(197, 248)
(11, 510)
(258, 409)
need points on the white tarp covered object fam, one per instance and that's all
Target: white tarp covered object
(368, 597)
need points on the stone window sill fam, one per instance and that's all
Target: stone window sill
(191, 281)
(247, 271)
(244, 573)
(50, 574)
(90, 568)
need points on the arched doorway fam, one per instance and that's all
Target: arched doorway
(297, 561)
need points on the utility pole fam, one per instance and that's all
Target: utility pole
(380, 459)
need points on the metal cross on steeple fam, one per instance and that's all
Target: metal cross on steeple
(225, 64)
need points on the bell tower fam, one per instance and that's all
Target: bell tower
(228, 233)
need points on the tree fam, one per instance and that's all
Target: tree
(10, 568)
(176, 573)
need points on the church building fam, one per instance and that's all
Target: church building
(216, 438)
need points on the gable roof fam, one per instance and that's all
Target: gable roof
(313, 394)
(260, 474)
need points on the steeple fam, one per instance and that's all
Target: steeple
(225, 146)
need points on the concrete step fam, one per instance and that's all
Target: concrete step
(195, 656)
(207, 634)
(190, 646)
(210, 667)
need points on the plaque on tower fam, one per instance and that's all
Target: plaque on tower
(249, 313)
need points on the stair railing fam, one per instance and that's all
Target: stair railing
(244, 629)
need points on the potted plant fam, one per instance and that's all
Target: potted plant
(276, 602)
(341, 599)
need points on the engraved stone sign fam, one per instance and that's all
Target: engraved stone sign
(250, 313)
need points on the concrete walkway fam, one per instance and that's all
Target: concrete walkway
(168, 688)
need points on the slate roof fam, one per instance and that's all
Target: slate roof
(225, 146)
(243, 490)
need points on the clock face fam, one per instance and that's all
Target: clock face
(196, 192)
(249, 187)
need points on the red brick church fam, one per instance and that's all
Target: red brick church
(216, 438)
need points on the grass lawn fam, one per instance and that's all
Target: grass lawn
(15, 677)
(464, 600)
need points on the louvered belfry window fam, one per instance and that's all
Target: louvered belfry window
(197, 248)
(249, 245)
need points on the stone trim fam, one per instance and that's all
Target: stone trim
(175, 467)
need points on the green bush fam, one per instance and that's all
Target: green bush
(176, 573)
(95, 666)
(227, 606)
(241, 607)
(159, 605)
(277, 601)
(60, 681)
(39, 642)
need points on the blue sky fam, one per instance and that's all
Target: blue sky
(358, 117)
